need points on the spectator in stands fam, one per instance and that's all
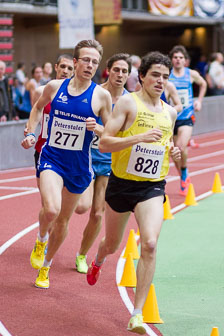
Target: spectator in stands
(202, 65)
(6, 104)
(31, 86)
(133, 81)
(47, 71)
(216, 74)
(20, 75)
(17, 96)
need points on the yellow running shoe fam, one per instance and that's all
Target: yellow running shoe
(81, 264)
(37, 255)
(136, 325)
(42, 281)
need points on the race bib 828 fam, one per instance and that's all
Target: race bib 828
(146, 160)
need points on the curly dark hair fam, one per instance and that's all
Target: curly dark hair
(154, 57)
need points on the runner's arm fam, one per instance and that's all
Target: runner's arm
(199, 80)
(123, 110)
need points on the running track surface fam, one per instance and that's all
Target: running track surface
(70, 306)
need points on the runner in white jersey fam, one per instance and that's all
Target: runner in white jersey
(64, 166)
(118, 67)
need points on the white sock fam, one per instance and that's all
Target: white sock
(78, 254)
(43, 239)
(47, 263)
(99, 263)
(136, 311)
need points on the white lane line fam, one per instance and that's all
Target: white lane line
(35, 190)
(202, 157)
(17, 188)
(211, 143)
(3, 330)
(16, 170)
(30, 177)
(198, 172)
(19, 235)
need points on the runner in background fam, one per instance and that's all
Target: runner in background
(183, 77)
(118, 68)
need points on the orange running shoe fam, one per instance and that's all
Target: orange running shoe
(193, 144)
(184, 185)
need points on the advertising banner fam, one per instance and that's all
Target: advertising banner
(107, 12)
(171, 7)
(75, 22)
(209, 8)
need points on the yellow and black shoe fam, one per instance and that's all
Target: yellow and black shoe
(37, 255)
(42, 281)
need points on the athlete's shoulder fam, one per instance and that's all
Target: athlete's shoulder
(172, 111)
(39, 90)
(102, 93)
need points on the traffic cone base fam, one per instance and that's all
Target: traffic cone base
(166, 208)
(131, 246)
(129, 275)
(150, 310)
(217, 185)
(215, 331)
(190, 198)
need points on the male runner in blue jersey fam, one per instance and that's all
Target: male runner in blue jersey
(118, 67)
(183, 78)
(64, 165)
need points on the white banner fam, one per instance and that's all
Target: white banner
(171, 7)
(206, 8)
(75, 22)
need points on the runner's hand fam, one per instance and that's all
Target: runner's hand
(91, 124)
(153, 135)
(28, 142)
(175, 153)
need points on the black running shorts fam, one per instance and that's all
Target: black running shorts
(123, 195)
(179, 123)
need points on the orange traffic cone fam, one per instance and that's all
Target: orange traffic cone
(166, 209)
(217, 185)
(131, 246)
(129, 275)
(215, 331)
(150, 310)
(190, 198)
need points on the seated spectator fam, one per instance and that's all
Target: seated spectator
(133, 82)
(6, 104)
(216, 75)
(47, 71)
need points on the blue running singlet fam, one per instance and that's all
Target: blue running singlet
(163, 97)
(185, 92)
(68, 144)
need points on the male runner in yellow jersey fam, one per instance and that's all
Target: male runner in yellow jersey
(139, 134)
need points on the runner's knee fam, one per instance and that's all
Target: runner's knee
(149, 247)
